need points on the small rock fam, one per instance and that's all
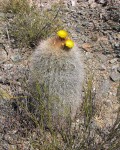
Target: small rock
(117, 49)
(77, 29)
(102, 57)
(16, 58)
(89, 55)
(103, 2)
(102, 67)
(7, 66)
(107, 103)
(106, 52)
(73, 2)
(2, 15)
(8, 138)
(94, 38)
(114, 67)
(92, 3)
(3, 55)
(117, 46)
(87, 47)
(10, 15)
(1, 45)
(115, 76)
(118, 69)
(113, 60)
(105, 86)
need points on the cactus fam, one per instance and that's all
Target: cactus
(60, 69)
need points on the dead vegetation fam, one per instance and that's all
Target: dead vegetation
(27, 25)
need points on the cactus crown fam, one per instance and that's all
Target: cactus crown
(63, 35)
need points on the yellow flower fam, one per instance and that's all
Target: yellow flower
(62, 34)
(69, 43)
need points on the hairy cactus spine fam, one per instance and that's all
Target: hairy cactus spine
(61, 71)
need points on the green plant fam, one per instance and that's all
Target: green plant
(29, 24)
(88, 103)
(16, 6)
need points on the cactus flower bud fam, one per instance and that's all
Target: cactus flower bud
(62, 34)
(69, 43)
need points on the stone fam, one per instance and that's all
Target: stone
(113, 60)
(115, 76)
(16, 58)
(7, 66)
(10, 15)
(101, 1)
(3, 55)
(1, 45)
(102, 58)
(102, 67)
(78, 29)
(117, 49)
(105, 86)
(87, 47)
(2, 15)
(89, 55)
(73, 2)
(114, 67)
(117, 46)
(106, 52)
(118, 69)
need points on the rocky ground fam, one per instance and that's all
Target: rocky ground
(95, 27)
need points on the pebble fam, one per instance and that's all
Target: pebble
(101, 1)
(7, 66)
(115, 76)
(78, 29)
(102, 67)
(3, 56)
(87, 46)
(16, 58)
(107, 103)
(106, 52)
(8, 138)
(115, 67)
(73, 2)
(10, 15)
(113, 60)
(118, 69)
(117, 46)
(2, 14)
(89, 55)
(102, 58)
(2, 47)
(105, 86)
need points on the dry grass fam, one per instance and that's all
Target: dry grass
(78, 135)
(28, 24)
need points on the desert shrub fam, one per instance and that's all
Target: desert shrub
(29, 24)
(16, 6)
